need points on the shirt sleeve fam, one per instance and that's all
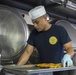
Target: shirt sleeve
(31, 39)
(64, 36)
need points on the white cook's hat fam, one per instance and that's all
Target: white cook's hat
(37, 12)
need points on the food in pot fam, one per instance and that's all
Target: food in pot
(49, 65)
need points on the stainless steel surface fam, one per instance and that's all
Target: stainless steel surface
(35, 70)
(9, 74)
(0, 58)
(13, 66)
(71, 29)
(14, 32)
(74, 61)
(1, 67)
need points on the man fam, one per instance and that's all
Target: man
(50, 41)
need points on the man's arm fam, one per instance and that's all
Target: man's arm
(66, 60)
(26, 55)
(69, 49)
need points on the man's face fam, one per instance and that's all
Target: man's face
(39, 23)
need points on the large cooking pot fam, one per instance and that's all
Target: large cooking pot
(14, 33)
(71, 29)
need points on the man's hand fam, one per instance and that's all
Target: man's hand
(67, 61)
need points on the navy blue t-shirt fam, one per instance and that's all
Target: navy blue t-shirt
(49, 43)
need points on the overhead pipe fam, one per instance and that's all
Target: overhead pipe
(17, 4)
(27, 7)
(74, 1)
(62, 17)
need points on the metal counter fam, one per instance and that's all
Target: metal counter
(22, 70)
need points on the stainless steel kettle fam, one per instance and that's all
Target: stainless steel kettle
(14, 33)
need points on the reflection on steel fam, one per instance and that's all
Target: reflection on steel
(0, 58)
(14, 32)
(1, 67)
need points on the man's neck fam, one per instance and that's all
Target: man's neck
(48, 26)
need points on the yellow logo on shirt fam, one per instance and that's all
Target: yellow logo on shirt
(53, 40)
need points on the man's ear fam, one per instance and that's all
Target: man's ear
(45, 17)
